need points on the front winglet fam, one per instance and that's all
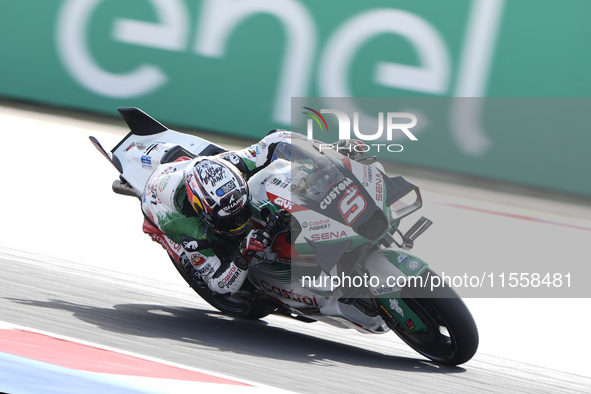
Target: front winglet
(103, 152)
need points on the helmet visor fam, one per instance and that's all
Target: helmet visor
(234, 224)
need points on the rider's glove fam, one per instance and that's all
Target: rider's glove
(351, 148)
(277, 222)
(255, 241)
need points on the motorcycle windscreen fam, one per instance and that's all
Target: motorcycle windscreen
(333, 216)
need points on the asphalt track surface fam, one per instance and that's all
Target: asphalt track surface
(91, 276)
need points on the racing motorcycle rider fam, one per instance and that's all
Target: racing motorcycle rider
(202, 204)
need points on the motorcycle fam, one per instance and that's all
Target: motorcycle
(343, 260)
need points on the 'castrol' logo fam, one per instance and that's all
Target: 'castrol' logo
(230, 278)
(289, 294)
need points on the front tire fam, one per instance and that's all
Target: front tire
(451, 335)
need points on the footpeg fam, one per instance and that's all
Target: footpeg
(124, 188)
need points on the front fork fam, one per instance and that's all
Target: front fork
(395, 270)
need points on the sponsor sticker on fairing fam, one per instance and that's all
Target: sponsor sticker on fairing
(319, 224)
(335, 192)
(413, 265)
(289, 294)
(146, 161)
(394, 306)
(329, 235)
(283, 203)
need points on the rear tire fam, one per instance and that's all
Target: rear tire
(451, 336)
(228, 305)
(231, 305)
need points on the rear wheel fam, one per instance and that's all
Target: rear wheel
(451, 336)
(229, 305)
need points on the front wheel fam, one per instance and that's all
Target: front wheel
(450, 336)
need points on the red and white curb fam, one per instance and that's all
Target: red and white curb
(144, 372)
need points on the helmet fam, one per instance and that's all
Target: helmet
(218, 192)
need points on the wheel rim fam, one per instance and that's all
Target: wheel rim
(436, 341)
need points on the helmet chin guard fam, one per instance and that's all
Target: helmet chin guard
(218, 192)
